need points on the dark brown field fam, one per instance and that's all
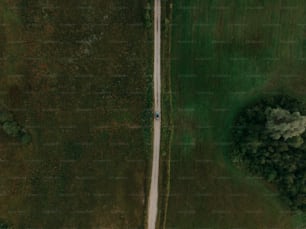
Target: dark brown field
(76, 74)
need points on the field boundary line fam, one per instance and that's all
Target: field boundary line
(170, 120)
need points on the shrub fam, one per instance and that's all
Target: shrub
(5, 117)
(12, 128)
(147, 16)
(4, 225)
(25, 138)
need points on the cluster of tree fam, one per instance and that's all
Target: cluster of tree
(12, 128)
(269, 141)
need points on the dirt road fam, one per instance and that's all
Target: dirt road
(153, 198)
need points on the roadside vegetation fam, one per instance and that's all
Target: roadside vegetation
(148, 18)
(167, 121)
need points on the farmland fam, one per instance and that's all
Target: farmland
(76, 75)
(224, 55)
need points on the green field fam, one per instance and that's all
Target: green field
(77, 75)
(225, 54)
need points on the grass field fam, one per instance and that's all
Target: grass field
(77, 75)
(224, 54)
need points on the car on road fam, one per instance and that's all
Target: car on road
(157, 115)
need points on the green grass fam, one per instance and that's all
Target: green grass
(79, 83)
(225, 54)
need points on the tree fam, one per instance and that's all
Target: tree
(282, 123)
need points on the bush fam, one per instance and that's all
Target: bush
(25, 138)
(12, 128)
(4, 225)
(5, 117)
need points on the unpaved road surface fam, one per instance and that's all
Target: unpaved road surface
(153, 198)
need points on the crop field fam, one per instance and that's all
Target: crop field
(76, 75)
(225, 54)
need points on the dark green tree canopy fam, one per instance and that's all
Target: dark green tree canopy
(269, 141)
